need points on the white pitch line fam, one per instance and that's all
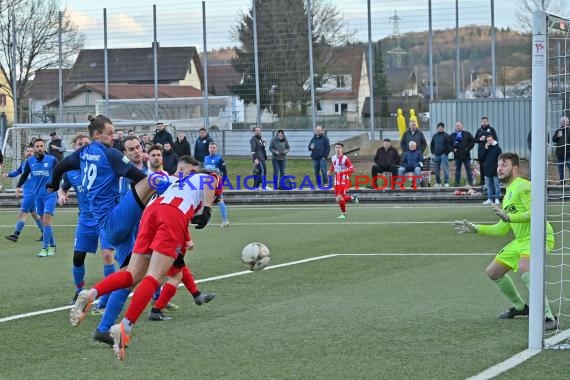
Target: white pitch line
(235, 274)
(519, 358)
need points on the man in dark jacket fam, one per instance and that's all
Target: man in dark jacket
(490, 159)
(440, 147)
(181, 145)
(259, 156)
(118, 142)
(561, 140)
(202, 145)
(56, 147)
(161, 135)
(169, 158)
(413, 134)
(461, 144)
(481, 140)
(386, 159)
(320, 147)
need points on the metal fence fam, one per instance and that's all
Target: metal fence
(283, 65)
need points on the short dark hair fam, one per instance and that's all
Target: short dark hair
(97, 123)
(339, 144)
(129, 138)
(440, 124)
(280, 131)
(189, 160)
(509, 156)
(484, 117)
(154, 147)
(203, 129)
(38, 139)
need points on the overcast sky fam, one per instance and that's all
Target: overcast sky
(180, 21)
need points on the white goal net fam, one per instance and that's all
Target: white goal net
(550, 175)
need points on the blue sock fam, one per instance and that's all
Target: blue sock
(52, 240)
(104, 300)
(47, 236)
(78, 276)
(40, 225)
(114, 306)
(19, 227)
(223, 211)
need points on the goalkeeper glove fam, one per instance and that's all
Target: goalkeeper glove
(202, 220)
(502, 214)
(463, 227)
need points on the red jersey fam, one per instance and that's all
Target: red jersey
(343, 168)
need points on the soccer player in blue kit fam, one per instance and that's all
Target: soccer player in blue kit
(39, 169)
(86, 232)
(101, 167)
(28, 200)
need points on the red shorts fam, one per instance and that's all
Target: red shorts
(163, 229)
(340, 190)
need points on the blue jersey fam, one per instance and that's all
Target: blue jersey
(216, 163)
(28, 185)
(125, 183)
(101, 169)
(40, 173)
(74, 178)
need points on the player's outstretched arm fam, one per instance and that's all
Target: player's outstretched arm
(70, 162)
(464, 227)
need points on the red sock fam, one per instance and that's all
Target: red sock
(117, 280)
(347, 198)
(141, 298)
(342, 204)
(188, 281)
(166, 294)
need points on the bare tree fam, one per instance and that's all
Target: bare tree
(36, 39)
(527, 7)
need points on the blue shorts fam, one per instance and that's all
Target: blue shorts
(124, 250)
(86, 235)
(28, 203)
(46, 205)
(116, 227)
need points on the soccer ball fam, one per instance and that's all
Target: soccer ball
(256, 256)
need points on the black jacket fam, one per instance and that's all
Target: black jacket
(321, 148)
(55, 152)
(258, 151)
(182, 148)
(169, 161)
(562, 143)
(490, 158)
(386, 157)
(201, 147)
(418, 137)
(481, 144)
(440, 144)
(162, 137)
(461, 145)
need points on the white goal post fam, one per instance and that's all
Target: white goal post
(550, 94)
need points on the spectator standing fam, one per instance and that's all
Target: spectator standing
(481, 140)
(161, 135)
(461, 144)
(320, 147)
(386, 159)
(118, 142)
(202, 145)
(279, 148)
(490, 159)
(413, 134)
(440, 147)
(56, 147)
(561, 140)
(181, 145)
(259, 156)
(169, 158)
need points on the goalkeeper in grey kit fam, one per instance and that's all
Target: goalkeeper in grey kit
(515, 216)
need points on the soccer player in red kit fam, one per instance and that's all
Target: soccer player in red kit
(342, 168)
(162, 237)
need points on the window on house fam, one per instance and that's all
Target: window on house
(319, 106)
(2, 100)
(340, 82)
(340, 108)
